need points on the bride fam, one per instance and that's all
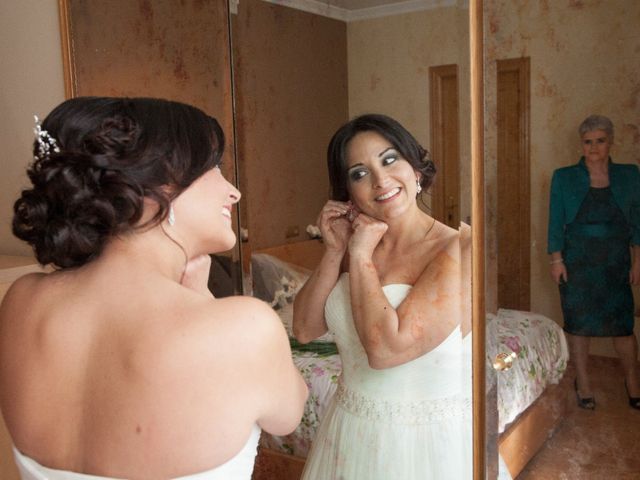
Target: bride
(120, 363)
(389, 287)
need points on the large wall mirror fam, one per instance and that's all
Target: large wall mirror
(548, 66)
(301, 70)
(282, 77)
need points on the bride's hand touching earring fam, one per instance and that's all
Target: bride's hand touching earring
(334, 225)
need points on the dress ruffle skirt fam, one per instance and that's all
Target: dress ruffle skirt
(372, 439)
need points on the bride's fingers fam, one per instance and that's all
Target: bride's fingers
(332, 213)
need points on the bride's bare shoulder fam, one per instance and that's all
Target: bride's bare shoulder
(447, 240)
(22, 290)
(238, 320)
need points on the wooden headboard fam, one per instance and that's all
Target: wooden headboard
(306, 254)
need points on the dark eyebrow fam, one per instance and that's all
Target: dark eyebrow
(386, 150)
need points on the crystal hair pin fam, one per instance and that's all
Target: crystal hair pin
(46, 143)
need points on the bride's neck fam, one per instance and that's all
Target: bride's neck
(151, 251)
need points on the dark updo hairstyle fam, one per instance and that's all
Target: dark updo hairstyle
(393, 132)
(111, 153)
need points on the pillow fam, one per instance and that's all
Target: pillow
(277, 282)
(286, 315)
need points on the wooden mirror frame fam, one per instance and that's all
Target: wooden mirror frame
(477, 238)
(68, 70)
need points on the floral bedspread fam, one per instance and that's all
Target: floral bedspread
(541, 358)
(321, 374)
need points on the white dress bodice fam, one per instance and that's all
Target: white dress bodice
(437, 375)
(240, 467)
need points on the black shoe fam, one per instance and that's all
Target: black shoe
(634, 402)
(588, 403)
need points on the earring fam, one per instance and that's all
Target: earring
(172, 216)
(418, 187)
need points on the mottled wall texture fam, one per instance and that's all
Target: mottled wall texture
(291, 95)
(32, 83)
(584, 59)
(389, 61)
(160, 48)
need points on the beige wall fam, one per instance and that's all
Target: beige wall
(584, 59)
(291, 95)
(31, 83)
(389, 60)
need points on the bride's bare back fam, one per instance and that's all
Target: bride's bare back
(120, 370)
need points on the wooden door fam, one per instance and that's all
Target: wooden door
(445, 151)
(513, 217)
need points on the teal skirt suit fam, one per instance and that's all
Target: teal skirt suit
(594, 228)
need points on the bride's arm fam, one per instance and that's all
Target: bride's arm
(421, 322)
(308, 306)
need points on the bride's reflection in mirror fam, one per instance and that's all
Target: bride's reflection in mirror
(549, 65)
(388, 287)
(299, 76)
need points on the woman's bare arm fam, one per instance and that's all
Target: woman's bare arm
(308, 306)
(277, 385)
(421, 322)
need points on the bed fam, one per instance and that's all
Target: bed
(532, 395)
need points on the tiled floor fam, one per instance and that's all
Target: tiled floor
(594, 445)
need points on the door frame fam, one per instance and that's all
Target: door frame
(445, 147)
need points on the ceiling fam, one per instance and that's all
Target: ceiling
(352, 10)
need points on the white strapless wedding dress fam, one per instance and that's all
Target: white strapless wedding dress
(240, 467)
(410, 422)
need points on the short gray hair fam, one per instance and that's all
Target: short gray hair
(596, 122)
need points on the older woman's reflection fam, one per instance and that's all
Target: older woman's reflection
(594, 226)
(389, 288)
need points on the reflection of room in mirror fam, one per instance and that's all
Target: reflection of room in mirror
(300, 74)
(548, 66)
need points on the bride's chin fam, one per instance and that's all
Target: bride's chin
(223, 244)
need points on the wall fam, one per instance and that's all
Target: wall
(31, 83)
(584, 59)
(291, 95)
(389, 60)
(165, 49)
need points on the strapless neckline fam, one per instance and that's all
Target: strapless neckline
(408, 285)
(239, 467)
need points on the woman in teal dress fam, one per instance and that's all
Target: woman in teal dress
(594, 244)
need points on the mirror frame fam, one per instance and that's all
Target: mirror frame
(477, 238)
(68, 66)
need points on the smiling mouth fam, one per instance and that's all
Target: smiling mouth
(226, 211)
(388, 195)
